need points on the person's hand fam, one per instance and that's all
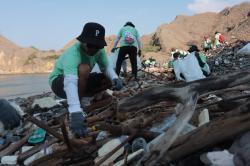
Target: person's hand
(139, 53)
(117, 84)
(77, 123)
(9, 117)
(113, 50)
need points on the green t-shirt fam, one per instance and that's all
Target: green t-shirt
(128, 31)
(68, 62)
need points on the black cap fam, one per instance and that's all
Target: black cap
(129, 24)
(193, 48)
(93, 33)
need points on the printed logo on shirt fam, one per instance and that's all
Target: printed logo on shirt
(129, 38)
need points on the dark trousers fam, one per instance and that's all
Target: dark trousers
(132, 52)
(96, 82)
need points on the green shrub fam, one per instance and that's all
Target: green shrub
(150, 48)
(51, 57)
(30, 59)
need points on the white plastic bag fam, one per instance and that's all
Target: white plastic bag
(112, 58)
(188, 67)
(245, 50)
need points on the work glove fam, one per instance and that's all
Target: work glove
(9, 116)
(139, 53)
(113, 50)
(78, 124)
(117, 84)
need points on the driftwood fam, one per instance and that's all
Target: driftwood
(14, 147)
(23, 156)
(181, 93)
(211, 133)
(155, 148)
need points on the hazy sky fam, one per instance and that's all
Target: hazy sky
(50, 24)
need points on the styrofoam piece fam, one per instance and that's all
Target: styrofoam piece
(218, 158)
(130, 157)
(26, 148)
(10, 160)
(203, 117)
(37, 156)
(46, 102)
(108, 147)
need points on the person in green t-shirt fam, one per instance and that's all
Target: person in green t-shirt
(202, 60)
(130, 43)
(71, 78)
(207, 43)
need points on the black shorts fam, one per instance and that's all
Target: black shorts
(96, 82)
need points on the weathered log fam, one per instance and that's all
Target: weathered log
(158, 147)
(181, 92)
(118, 130)
(101, 116)
(14, 147)
(99, 104)
(237, 88)
(23, 156)
(232, 124)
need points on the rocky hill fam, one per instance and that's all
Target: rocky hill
(15, 59)
(233, 22)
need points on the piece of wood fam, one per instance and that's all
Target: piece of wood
(232, 124)
(99, 104)
(182, 91)
(158, 147)
(101, 116)
(117, 130)
(115, 149)
(23, 156)
(15, 146)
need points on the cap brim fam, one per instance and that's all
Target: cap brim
(96, 42)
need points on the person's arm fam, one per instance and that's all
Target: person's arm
(201, 63)
(117, 39)
(138, 40)
(70, 71)
(138, 43)
(107, 69)
(71, 89)
(105, 66)
(76, 115)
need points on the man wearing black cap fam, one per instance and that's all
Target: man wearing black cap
(71, 78)
(130, 44)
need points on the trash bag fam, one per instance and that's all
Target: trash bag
(245, 50)
(188, 67)
(9, 115)
(112, 58)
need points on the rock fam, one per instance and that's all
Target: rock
(46, 102)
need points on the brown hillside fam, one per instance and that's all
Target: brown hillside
(15, 59)
(232, 22)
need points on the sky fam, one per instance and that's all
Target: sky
(51, 24)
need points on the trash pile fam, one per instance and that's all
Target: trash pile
(227, 59)
(152, 121)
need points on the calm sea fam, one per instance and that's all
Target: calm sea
(23, 85)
